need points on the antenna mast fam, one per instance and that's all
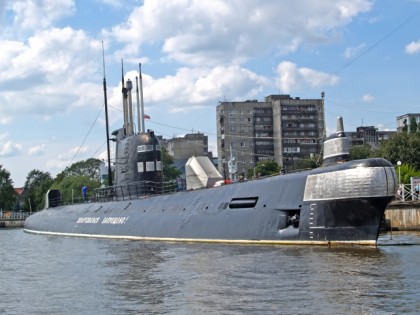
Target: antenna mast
(106, 120)
(142, 102)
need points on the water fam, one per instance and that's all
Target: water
(59, 275)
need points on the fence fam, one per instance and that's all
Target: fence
(406, 192)
(9, 215)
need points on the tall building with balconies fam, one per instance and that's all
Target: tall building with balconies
(404, 122)
(281, 128)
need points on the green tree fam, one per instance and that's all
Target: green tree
(7, 192)
(405, 172)
(170, 171)
(71, 187)
(358, 152)
(405, 127)
(413, 125)
(306, 163)
(404, 147)
(37, 183)
(264, 168)
(89, 168)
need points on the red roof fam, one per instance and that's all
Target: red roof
(19, 190)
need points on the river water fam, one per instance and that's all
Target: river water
(61, 275)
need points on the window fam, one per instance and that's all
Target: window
(150, 166)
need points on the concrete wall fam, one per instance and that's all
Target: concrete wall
(11, 223)
(403, 216)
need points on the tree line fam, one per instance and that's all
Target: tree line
(404, 147)
(70, 182)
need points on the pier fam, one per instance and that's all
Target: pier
(403, 213)
(9, 219)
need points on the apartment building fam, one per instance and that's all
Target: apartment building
(280, 128)
(404, 122)
(369, 135)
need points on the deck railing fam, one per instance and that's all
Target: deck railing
(119, 192)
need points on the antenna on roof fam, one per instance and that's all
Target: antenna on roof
(106, 119)
(141, 99)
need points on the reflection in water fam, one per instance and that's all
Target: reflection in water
(229, 279)
(57, 275)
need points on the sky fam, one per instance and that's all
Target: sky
(364, 54)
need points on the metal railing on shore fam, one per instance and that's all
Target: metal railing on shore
(406, 192)
(10, 215)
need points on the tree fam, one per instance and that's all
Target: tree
(264, 168)
(405, 127)
(413, 125)
(89, 168)
(307, 163)
(37, 183)
(71, 187)
(7, 192)
(358, 152)
(170, 172)
(405, 172)
(404, 147)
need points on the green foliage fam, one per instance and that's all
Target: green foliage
(405, 127)
(306, 163)
(170, 172)
(404, 147)
(358, 152)
(71, 187)
(89, 168)
(413, 125)
(264, 168)
(7, 192)
(37, 183)
(406, 172)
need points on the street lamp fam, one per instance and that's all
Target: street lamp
(399, 172)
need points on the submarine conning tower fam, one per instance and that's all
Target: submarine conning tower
(336, 147)
(138, 156)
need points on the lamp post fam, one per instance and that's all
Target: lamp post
(399, 172)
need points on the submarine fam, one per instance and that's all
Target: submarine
(341, 202)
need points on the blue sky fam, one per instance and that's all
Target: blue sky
(364, 54)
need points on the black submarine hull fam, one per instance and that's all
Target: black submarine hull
(343, 203)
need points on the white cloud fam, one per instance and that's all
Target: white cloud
(368, 98)
(203, 32)
(10, 149)
(351, 52)
(112, 3)
(48, 74)
(291, 78)
(413, 48)
(192, 88)
(34, 15)
(58, 164)
(37, 150)
(202, 86)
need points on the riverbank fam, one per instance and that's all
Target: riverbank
(12, 223)
(9, 219)
(403, 216)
